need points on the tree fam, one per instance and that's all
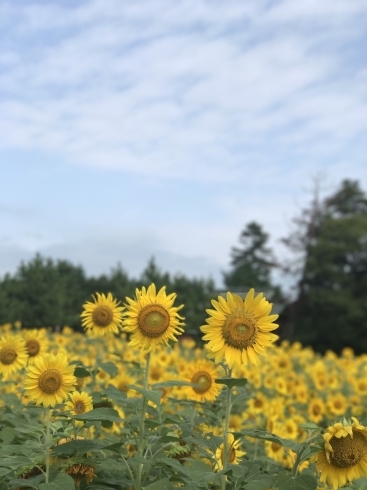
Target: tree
(252, 264)
(330, 309)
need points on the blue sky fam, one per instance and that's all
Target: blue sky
(138, 129)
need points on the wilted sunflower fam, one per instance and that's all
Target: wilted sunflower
(49, 380)
(202, 373)
(102, 316)
(36, 343)
(79, 403)
(344, 457)
(81, 472)
(152, 319)
(13, 355)
(234, 453)
(238, 330)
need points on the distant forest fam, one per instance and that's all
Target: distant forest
(327, 258)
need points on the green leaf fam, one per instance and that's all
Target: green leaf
(7, 435)
(109, 367)
(160, 485)
(61, 482)
(33, 482)
(268, 436)
(81, 372)
(301, 482)
(99, 414)
(173, 382)
(231, 382)
(152, 395)
(79, 446)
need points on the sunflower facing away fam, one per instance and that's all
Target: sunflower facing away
(344, 457)
(238, 330)
(151, 318)
(202, 373)
(102, 316)
(49, 380)
(13, 355)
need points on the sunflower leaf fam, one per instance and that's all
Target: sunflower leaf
(81, 372)
(231, 382)
(61, 482)
(301, 482)
(109, 367)
(152, 395)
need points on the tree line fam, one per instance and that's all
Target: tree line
(327, 308)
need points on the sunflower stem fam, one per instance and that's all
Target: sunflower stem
(141, 425)
(296, 463)
(225, 431)
(48, 440)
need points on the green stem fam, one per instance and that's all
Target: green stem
(141, 425)
(296, 463)
(47, 443)
(225, 431)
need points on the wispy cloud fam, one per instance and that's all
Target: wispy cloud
(203, 91)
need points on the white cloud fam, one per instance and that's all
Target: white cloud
(190, 92)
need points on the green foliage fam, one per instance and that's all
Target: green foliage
(252, 264)
(330, 310)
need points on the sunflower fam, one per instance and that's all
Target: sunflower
(151, 318)
(102, 316)
(81, 472)
(344, 457)
(316, 410)
(238, 330)
(203, 374)
(234, 453)
(49, 380)
(13, 355)
(79, 403)
(36, 343)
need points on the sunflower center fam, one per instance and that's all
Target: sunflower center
(153, 320)
(7, 356)
(204, 380)
(33, 347)
(258, 403)
(79, 407)
(316, 409)
(348, 451)
(240, 330)
(50, 381)
(102, 316)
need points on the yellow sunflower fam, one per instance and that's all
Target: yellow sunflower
(234, 453)
(36, 343)
(151, 318)
(79, 403)
(49, 380)
(102, 316)
(13, 355)
(202, 373)
(238, 330)
(344, 457)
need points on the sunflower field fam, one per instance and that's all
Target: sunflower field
(134, 404)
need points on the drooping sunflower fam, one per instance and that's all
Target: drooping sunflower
(13, 355)
(238, 330)
(344, 457)
(102, 316)
(36, 343)
(49, 380)
(79, 403)
(151, 318)
(202, 373)
(234, 452)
